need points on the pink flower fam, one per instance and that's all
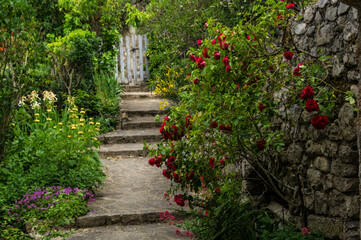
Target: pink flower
(178, 232)
(305, 231)
(228, 68)
(206, 24)
(196, 81)
(166, 118)
(226, 60)
(291, 5)
(199, 42)
(288, 55)
(214, 41)
(217, 55)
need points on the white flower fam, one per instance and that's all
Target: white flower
(50, 96)
(33, 97)
(35, 104)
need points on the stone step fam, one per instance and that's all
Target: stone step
(122, 150)
(141, 123)
(139, 95)
(142, 87)
(153, 231)
(142, 107)
(133, 193)
(131, 136)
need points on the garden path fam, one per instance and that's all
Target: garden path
(128, 205)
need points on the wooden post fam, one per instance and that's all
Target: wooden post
(146, 59)
(141, 67)
(128, 59)
(121, 57)
(134, 40)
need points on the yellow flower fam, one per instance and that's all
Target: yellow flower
(48, 119)
(69, 136)
(95, 139)
(48, 110)
(81, 124)
(75, 109)
(82, 109)
(71, 111)
(97, 123)
(37, 120)
(91, 123)
(82, 112)
(97, 129)
(54, 127)
(73, 127)
(91, 119)
(82, 119)
(13, 124)
(60, 123)
(80, 132)
(37, 114)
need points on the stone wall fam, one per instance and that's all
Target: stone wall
(327, 160)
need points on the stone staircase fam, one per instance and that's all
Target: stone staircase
(133, 190)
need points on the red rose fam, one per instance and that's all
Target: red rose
(261, 107)
(291, 5)
(296, 71)
(228, 68)
(320, 122)
(205, 53)
(226, 60)
(261, 145)
(206, 24)
(179, 200)
(166, 174)
(217, 55)
(218, 191)
(279, 20)
(166, 118)
(199, 42)
(288, 55)
(214, 41)
(189, 176)
(211, 162)
(196, 81)
(214, 124)
(192, 57)
(201, 63)
(307, 93)
(223, 163)
(223, 127)
(151, 161)
(176, 177)
(311, 105)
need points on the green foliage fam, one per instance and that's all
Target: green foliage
(74, 58)
(51, 149)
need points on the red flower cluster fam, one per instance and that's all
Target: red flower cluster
(261, 145)
(196, 81)
(217, 55)
(205, 55)
(179, 199)
(211, 163)
(175, 133)
(223, 127)
(214, 124)
(261, 107)
(311, 105)
(199, 42)
(291, 5)
(157, 161)
(288, 55)
(296, 71)
(320, 122)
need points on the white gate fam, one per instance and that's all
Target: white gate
(132, 65)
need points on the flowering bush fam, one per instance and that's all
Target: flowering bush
(51, 148)
(247, 100)
(54, 206)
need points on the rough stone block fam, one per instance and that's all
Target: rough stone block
(327, 182)
(346, 115)
(313, 148)
(314, 177)
(349, 32)
(324, 35)
(347, 154)
(353, 206)
(322, 3)
(331, 13)
(321, 203)
(300, 28)
(342, 8)
(332, 227)
(308, 14)
(337, 205)
(329, 149)
(346, 184)
(353, 76)
(91, 221)
(338, 67)
(341, 169)
(323, 164)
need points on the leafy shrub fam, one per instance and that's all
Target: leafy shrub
(54, 206)
(51, 149)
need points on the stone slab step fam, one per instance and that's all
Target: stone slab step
(133, 193)
(142, 87)
(122, 150)
(143, 107)
(141, 123)
(139, 95)
(154, 231)
(131, 136)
